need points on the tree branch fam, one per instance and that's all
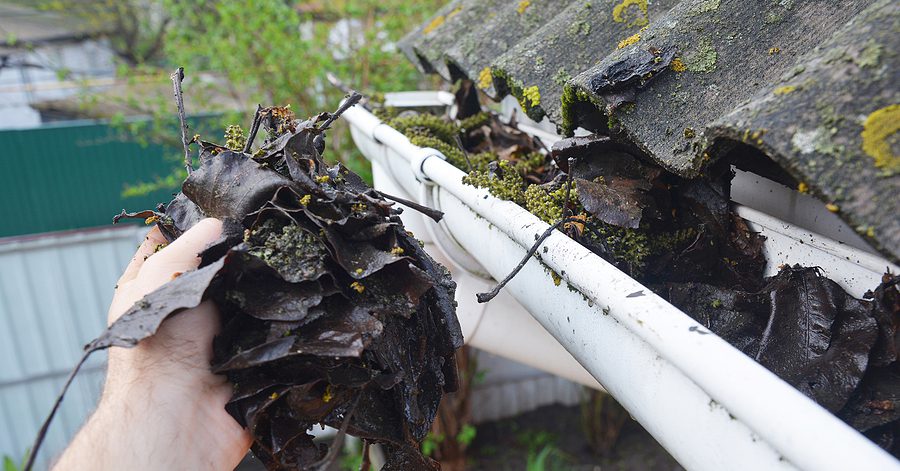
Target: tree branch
(177, 77)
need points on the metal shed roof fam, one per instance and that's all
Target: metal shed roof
(810, 84)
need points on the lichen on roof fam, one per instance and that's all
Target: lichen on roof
(822, 104)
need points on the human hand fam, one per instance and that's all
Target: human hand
(161, 406)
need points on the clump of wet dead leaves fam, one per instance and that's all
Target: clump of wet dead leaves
(332, 313)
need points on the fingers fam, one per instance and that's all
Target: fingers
(179, 256)
(153, 240)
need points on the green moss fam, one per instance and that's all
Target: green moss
(547, 205)
(435, 125)
(572, 96)
(234, 137)
(702, 59)
(454, 155)
(509, 186)
(475, 121)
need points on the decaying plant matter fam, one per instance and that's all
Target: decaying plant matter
(332, 313)
(681, 237)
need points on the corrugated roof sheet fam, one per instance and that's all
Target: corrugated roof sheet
(810, 84)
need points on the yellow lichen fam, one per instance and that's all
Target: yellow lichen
(832, 207)
(485, 79)
(151, 220)
(435, 23)
(531, 96)
(323, 179)
(802, 187)
(523, 5)
(454, 12)
(273, 396)
(357, 286)
(784, 90)
(397, 251)
(633, 39)
(878, 128)
(774, 50)
(328, 396)
(678, 65)
(305, 200)
(623, 13)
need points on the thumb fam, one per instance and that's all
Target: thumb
(180, 256)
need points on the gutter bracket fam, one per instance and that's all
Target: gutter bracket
(417, 163)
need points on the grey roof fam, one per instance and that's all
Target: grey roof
(811, 84)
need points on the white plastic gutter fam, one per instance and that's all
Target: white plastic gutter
(707, 403)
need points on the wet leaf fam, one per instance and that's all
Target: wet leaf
(144, 318)
(230, 185)
(817, 338)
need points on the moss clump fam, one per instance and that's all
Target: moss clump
(454, 155)
(507, 183)
(879, 130)
(547, 205)
(234, 137)
(385, 113)
(295, 253)
(424, 122)
(475, 121)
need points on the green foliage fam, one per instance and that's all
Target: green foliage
(466, 435)
(238, 53)
(9, 464)
(431, 442)
(351, 458)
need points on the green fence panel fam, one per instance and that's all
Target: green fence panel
(72, 176)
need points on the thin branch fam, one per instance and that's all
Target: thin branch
(565, 208)
(432, 213)
(485, 297)
(463, 149)
(351, 100)
(32, 455)
(177, 77)
(254, 128)
(335, 448)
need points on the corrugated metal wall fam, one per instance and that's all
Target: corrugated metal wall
(72, 176)
(54, 293)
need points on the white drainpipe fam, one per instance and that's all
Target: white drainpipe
(707, 403)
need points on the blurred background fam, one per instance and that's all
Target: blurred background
(88, 128)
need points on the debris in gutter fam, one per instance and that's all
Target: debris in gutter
(681, 238)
